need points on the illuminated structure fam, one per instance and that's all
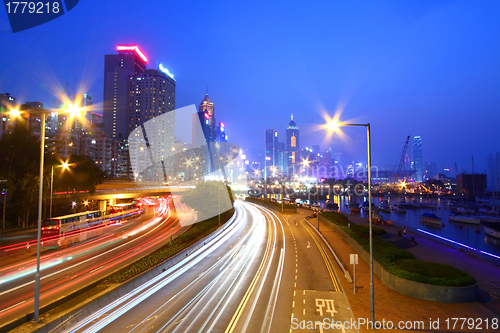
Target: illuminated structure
(151, 94)
(85, 102)
(7, 103)
(272, 149)
(118, 69)
(418, 159)
(207, 107)
(292, 148)
(134, 95)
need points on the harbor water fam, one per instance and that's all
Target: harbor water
(472, 235)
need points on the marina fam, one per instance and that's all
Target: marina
(468, 233)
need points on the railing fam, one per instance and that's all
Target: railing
(480, 254)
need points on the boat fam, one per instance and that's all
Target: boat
(490, 219)
(414, 204)
(385, 206)
(332, 205)
(354, 207)
(458, 217)
(430, 218)
(366, 206)
(398, 209)
(492, 229)
(403, 204)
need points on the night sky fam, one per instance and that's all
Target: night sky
(428, 68)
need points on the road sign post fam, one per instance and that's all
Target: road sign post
(354, 262)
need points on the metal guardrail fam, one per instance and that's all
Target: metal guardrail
(480, 254)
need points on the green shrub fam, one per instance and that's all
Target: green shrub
(435, 273)
(400, 262)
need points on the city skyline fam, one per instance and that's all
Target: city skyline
(414, 91)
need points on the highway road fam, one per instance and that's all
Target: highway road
(263, 273)
(66, 270)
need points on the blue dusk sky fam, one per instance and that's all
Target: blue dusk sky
(427, 68)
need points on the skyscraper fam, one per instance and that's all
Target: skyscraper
(118, 69)
(207, 106)
(292, 148)
(85, 102)
(418, 159)
(151, 94)
(272, 149)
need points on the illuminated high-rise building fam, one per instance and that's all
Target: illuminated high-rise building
(118, 69)
(85, 102)
(292, 148)
(272, 149)
(208, 109)
(418, 159)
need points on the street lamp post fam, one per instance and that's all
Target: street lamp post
(39, 226)
(51, 190)
(75, 111)
(332, 125)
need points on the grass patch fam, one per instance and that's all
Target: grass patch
(195, 233)
(434, 273)
(270, 203)
(400, 262)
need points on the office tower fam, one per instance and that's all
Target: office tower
(271, 159)
(418, 159)
(152, 93)
(85, 102)
(118, 69)
(292, 148)
(7, 103)
(207, 107)
(430, 170)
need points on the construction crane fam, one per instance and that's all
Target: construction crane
(402, 160)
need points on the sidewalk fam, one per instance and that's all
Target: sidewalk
(390, 305)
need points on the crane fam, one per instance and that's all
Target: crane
(402, 160)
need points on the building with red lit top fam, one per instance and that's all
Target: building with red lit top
(118, 69)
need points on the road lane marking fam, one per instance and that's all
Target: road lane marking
(325, 258)
(12, 306)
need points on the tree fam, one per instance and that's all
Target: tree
(82, 175)
(19, 163)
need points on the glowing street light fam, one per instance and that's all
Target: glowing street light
(76, 112)
(65, 166)
(333, 125)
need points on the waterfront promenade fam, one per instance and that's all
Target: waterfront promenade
(390, 305)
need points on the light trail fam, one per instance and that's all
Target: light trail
(131, 299)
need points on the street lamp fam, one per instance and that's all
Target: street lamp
(65, 166)
(218, 180)
(74, 111)
(334, 125)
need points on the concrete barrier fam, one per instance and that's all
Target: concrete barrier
(415, 289)
(287, 210)
(74, 315)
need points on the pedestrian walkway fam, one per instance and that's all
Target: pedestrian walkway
(393, 306)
